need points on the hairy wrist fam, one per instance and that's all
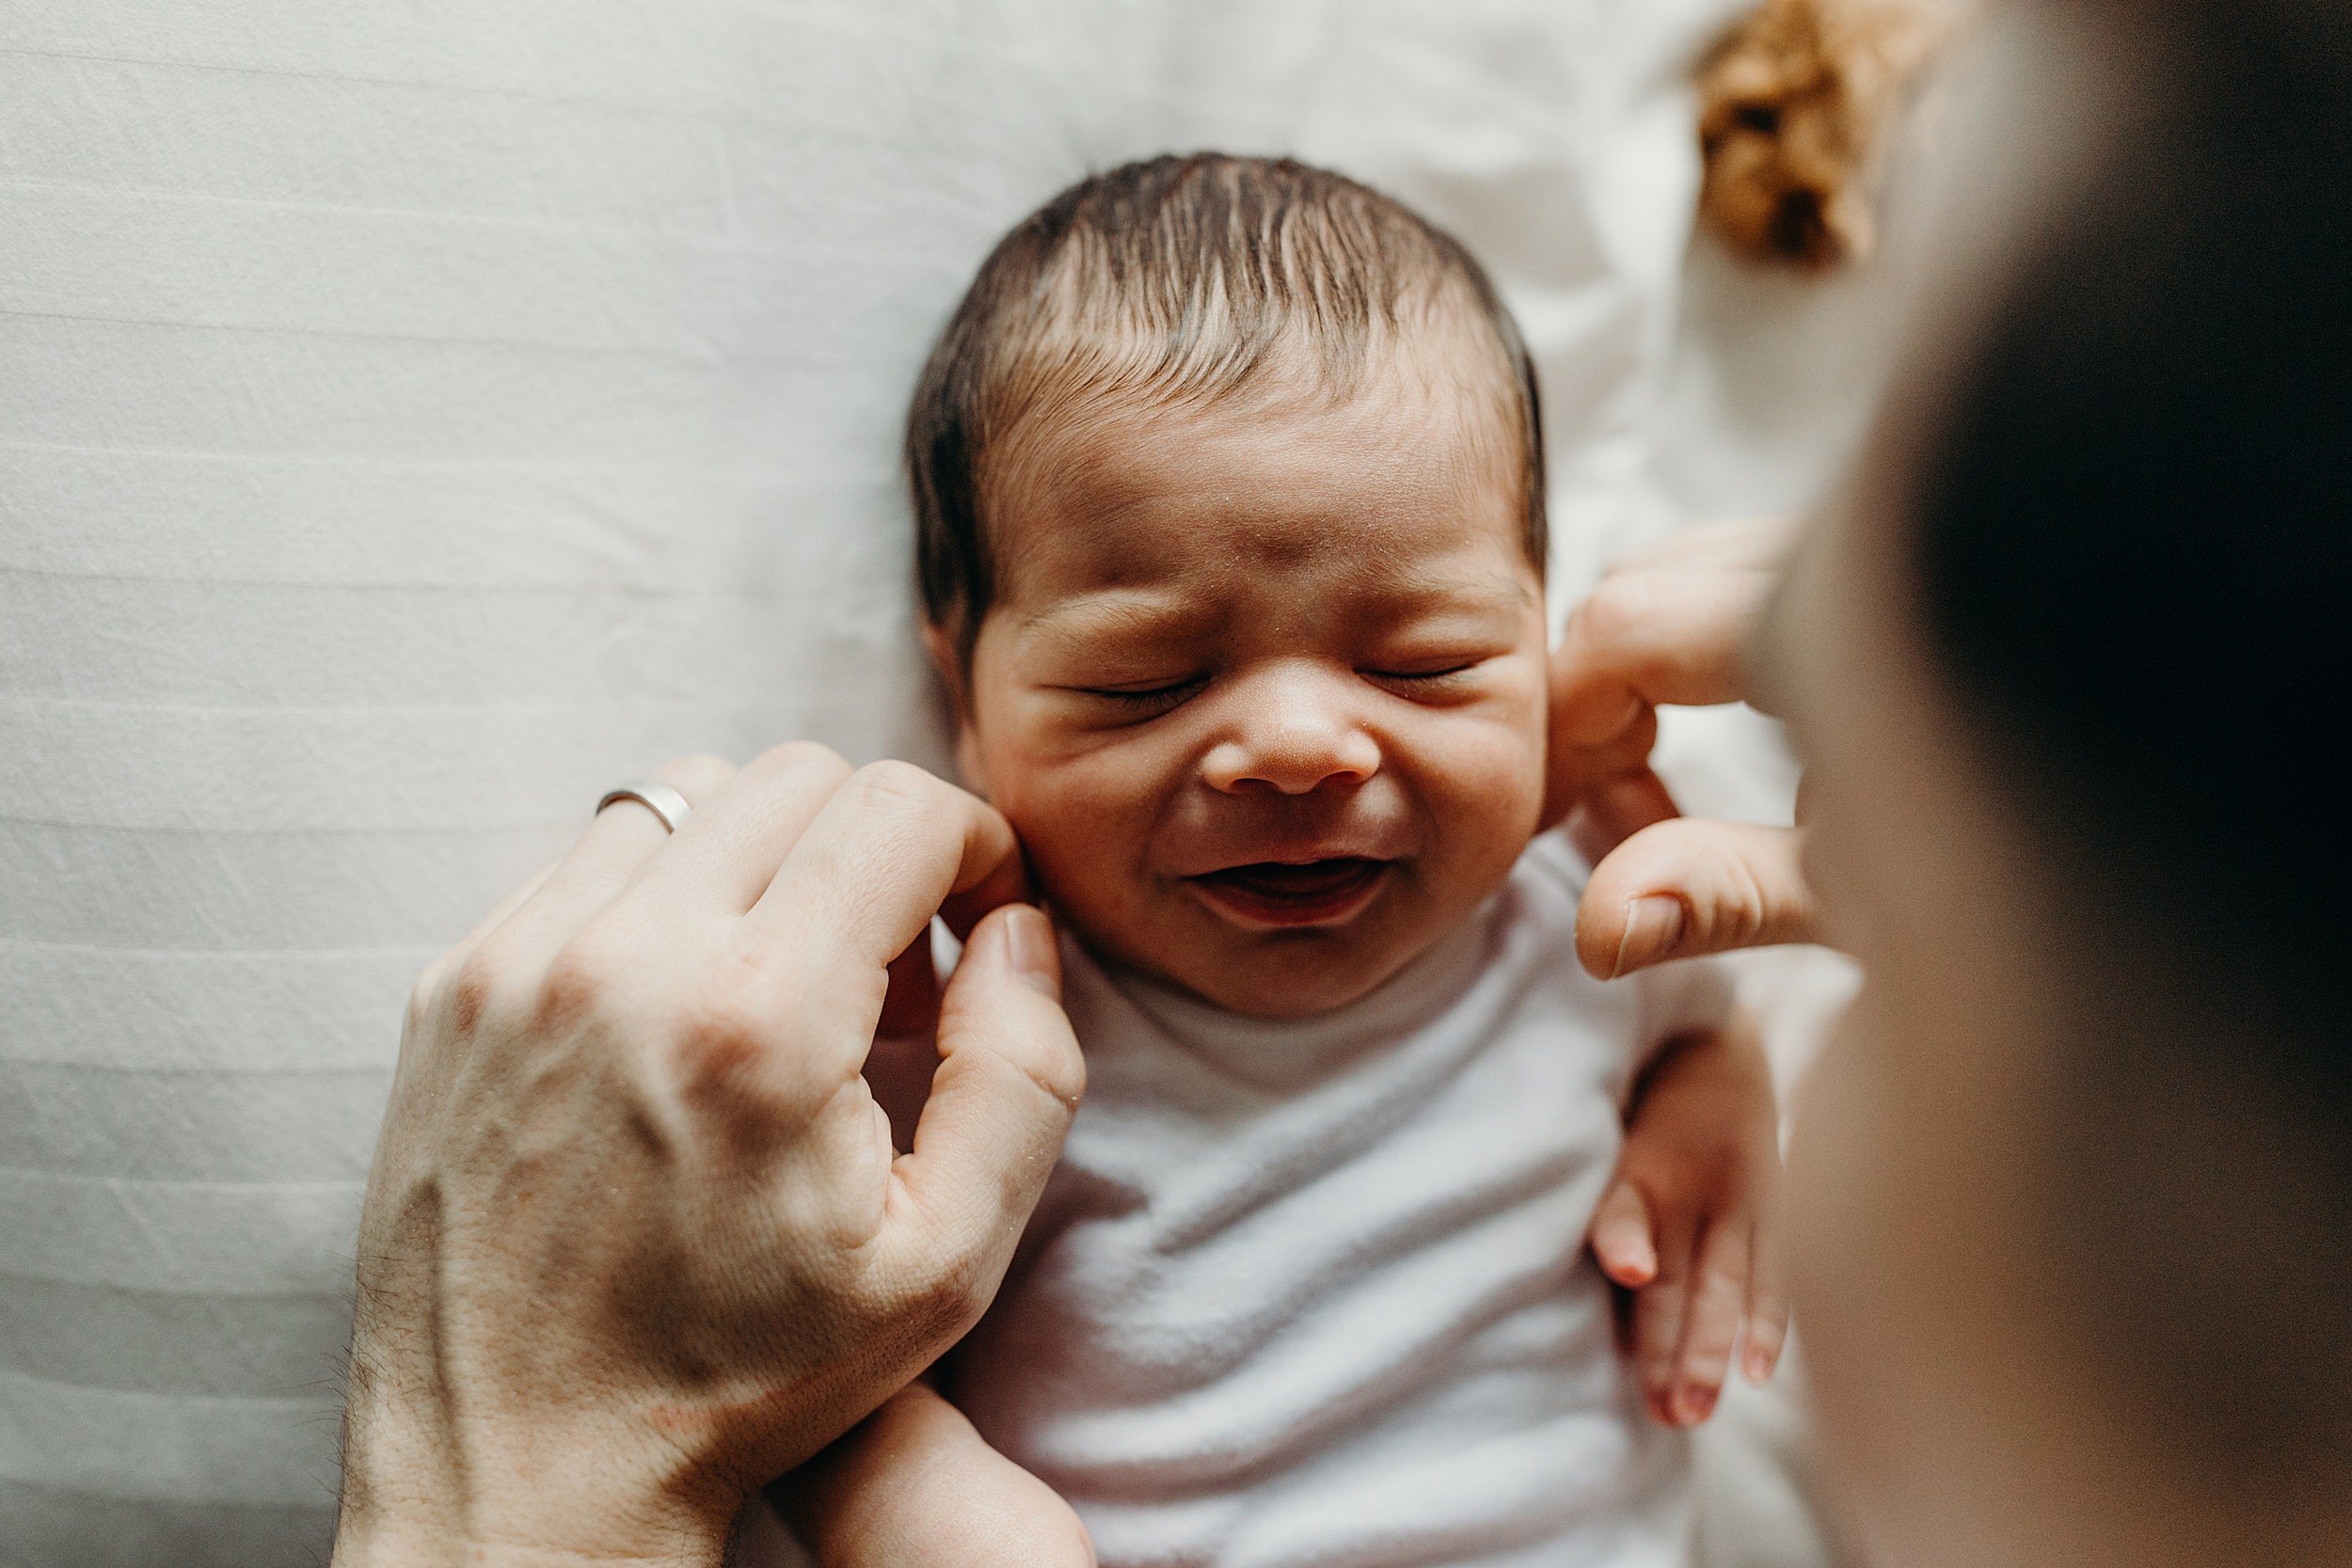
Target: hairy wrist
(417, 1494)
(417, 1543)
(419, 1535)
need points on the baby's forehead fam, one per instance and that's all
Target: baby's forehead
(1400, 487)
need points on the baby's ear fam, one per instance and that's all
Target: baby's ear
(941, 645)
(949, 662)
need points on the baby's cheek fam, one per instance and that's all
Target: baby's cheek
(1080, 818)
(1487, 781)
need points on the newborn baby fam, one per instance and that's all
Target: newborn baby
(1232, 535)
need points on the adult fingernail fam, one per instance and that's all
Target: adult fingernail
(1696, 1405)
(1653, 927)
(1641, 1268)
(1029, 948)
(1759, 1364)
(1630, 1264)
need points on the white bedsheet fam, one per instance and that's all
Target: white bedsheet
(417, 416)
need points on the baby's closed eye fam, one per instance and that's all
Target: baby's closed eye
(1428, 677)
(1145, 698)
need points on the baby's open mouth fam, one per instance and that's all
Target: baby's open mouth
(1271, 892)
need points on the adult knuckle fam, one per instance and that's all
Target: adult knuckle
(484, 985)
(1724, 899)
(1617, 608)
(580, 980)
(1641, 1169)
(722, 1018)
(747, 968)
(1671, 1193)
(804, 758)
(721, 1038)
(695, 775)
(932, 1297)
(691, 763)
(424, 996)
(1747, 909)
(893, 783)
(1059, 1075)
(947, 1298)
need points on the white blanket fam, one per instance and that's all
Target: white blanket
(417, 416)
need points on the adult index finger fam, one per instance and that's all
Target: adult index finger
(1648, 638)
(889, 848)
(1735, 542)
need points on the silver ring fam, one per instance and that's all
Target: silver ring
(655, 797)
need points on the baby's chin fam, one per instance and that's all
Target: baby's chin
(1284, 975)
(1276, 948)
(1280, 999)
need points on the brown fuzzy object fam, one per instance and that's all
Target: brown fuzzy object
(1796, 105)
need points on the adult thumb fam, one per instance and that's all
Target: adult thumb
(1008, 1081)
(1683, 888)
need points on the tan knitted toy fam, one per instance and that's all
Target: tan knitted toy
(1796, 105)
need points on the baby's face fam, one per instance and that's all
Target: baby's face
(1263, 695)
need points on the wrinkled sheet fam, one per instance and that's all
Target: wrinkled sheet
(418, 416)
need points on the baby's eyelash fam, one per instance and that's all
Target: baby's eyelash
(1426, 677)
(1164, 695)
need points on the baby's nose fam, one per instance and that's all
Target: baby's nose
(1293, 742)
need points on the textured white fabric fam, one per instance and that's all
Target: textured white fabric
(1316, 1291)
(416, 416)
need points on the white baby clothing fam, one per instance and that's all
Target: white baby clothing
(1315, 1292)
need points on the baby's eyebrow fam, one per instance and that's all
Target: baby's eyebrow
(1108, 613)
(1489, 589)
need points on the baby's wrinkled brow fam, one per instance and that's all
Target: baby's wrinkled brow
(1110, 613)
(1484, 589)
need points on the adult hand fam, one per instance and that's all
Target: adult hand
(636, 1239)
(1669, 626)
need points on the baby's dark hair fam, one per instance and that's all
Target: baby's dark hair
(1181, 283)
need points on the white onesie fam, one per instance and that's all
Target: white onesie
(1317, 1292)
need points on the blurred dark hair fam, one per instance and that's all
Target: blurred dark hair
(1174, 282)
(2135, 562)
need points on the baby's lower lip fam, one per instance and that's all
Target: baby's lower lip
(1320, 893)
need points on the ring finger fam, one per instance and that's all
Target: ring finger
(615, 845)
(724, 859)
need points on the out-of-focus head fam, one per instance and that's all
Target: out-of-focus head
(2077, 1176)
(1229, 521)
